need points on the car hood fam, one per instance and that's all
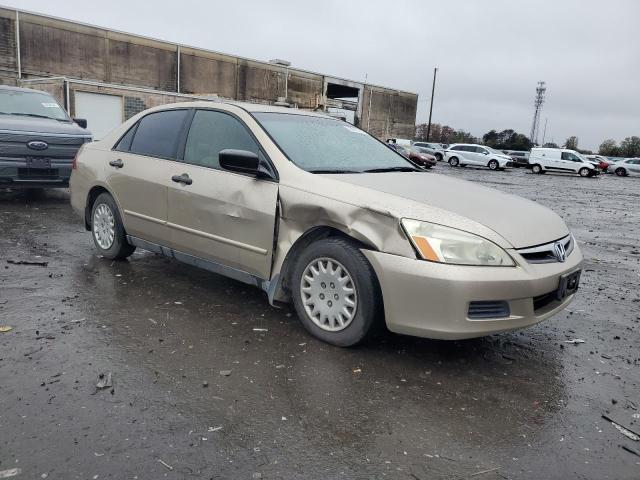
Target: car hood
(521, 222)
(41, 125)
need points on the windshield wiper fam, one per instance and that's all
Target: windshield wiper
(333, 171)
(392, 169)
(36, 116)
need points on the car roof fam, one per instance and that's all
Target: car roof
(247, 106)
(20, 89)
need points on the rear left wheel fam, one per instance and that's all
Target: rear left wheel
(336, 293)
(107, 229)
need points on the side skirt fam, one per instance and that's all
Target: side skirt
(209, 265)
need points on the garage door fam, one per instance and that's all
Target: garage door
(103, 112)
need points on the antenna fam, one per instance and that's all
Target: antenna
(541, 89)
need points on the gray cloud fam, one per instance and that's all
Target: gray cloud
(490, 53)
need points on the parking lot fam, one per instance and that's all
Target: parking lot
(154, 369)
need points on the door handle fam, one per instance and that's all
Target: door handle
(184, 178)
(117, 163)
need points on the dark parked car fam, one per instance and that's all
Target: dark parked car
(38, 140)
(520, 159)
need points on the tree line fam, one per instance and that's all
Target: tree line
(509, 139)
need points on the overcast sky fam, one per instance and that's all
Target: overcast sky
(490, 53)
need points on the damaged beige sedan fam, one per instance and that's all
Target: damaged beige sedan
(316, 212)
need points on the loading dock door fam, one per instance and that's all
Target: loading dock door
(103, 112)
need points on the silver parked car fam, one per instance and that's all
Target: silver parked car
(317, 212)
(626, 167)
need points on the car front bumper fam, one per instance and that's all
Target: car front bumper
(428, 299)
(17, 172)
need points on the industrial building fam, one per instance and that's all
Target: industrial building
(108, 76)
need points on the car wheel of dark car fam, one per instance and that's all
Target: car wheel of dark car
(336, 293)
(621, 172)
(493, 164)
(107, 229)
(454, 162)
(439, 157)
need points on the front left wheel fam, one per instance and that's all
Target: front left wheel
(107, 229)
(493, 165)
(336, 293)
(584, 172)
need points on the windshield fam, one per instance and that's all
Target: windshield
(325, 145)
(493, 150)
(30, 104)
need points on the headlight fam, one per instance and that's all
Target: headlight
(449, 245)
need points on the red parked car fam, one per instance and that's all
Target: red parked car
(422, 159)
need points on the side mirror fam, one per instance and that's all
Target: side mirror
(240, 161)
(485, 153)
(82, 122)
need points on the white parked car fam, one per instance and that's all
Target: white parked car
(461, 154)
(628, 166)
(436, 149)
(561, 160)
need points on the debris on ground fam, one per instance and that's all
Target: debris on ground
(205, 384)
(214, 429)
(5, 328)
(169, 467)
(28, 262)
(631, 450)
(623, 430)
(104, 381)
(575, 341)
(260, 329)
(225, 373)
(12, 472)
(482, 472)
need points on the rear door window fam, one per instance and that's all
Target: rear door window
(158, 134)
(213, 131)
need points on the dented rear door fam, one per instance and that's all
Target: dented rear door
(225, 217)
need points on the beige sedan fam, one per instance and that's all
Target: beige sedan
(316, 212)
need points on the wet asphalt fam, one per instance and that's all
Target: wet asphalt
(203, 379)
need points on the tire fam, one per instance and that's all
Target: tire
(584, 172)
(454, 162)
(310, 290)
(621, 172)
(493, 165)
(438, 157)
(107, 229)
(536, 168)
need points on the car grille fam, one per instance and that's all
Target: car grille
(509, 164)
(488, 309)
(14, 145)
(547, 253)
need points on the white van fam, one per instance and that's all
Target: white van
(560, 160)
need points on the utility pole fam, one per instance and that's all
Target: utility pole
(433, 89)
(544, 132)
(535, 126)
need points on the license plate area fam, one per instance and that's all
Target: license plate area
(568, 284)
(38, 162)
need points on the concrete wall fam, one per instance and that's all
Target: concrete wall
(54, 47)
(389, 113)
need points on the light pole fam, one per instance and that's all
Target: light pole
(433, 89)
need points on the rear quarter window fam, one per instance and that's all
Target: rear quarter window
(158, 134)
